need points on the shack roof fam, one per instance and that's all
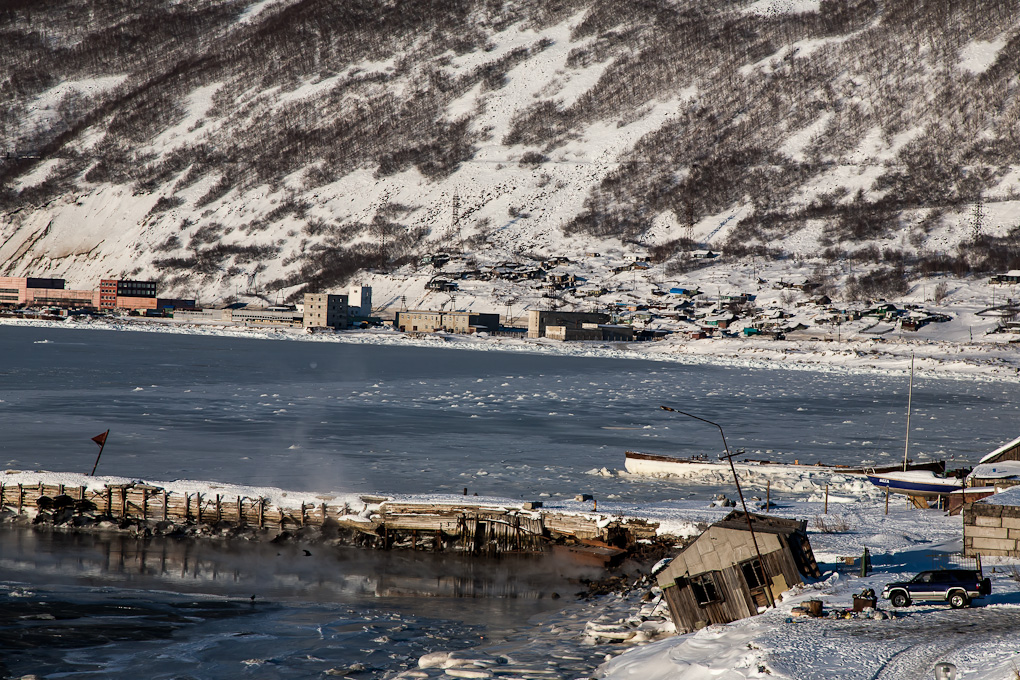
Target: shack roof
(762, 523)
(994, 455)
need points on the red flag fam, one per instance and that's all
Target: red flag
(101, 438)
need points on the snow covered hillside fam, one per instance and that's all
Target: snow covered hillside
(276, 146)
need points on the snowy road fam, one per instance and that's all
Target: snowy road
(981, 641)
(904, 648)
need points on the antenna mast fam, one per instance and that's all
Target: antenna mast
(910, 393)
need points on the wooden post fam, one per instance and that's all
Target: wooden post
(826, 499)
(145, 505)
(123, 502)
(768, 495)
(198, 502)
(166, 501)
(109, 501)
(240, 515)
(187, 506)
(81, 494)
(219, 510)
(302, 513)
(60, 490)
(21, 497)
(322, 508)
(262, 513)
(1, 495)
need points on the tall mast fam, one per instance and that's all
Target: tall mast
(910, 392)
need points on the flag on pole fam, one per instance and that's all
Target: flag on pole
(101, 440)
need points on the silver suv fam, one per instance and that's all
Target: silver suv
(955, 586)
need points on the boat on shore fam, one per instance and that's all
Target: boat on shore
(660, 466)
(916, 482)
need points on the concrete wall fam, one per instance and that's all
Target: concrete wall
(566, 333)
(60, 296)
(419, 320)
(265, 317)
(539, 319)
(203, 315)
(991, 530)
(428, 321)
(135, 302)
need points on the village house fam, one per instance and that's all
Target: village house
(436, 260)
(999, 469)
(719, 578)
(551, 262)
(703, 254)
(1012, 276)
(441, 285)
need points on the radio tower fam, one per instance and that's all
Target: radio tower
(455, 218)
(689, 223)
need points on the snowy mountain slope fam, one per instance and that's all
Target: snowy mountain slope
(310, 143)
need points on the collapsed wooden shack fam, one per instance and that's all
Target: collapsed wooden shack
(718, 578)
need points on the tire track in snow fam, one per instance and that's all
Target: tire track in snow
(915, 662)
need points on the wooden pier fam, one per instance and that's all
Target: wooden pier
(477, 528)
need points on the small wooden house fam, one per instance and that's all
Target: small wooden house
(718, 578)
(1008, 451)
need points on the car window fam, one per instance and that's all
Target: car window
(923, 577)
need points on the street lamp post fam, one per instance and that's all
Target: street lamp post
(743, 504)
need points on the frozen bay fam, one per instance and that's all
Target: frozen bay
(365, 418)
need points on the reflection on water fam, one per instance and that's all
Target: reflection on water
(219, 609)
(280, 571)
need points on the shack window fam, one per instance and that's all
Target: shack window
(752, 574)
(704, 589)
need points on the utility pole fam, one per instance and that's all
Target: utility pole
(750, 526)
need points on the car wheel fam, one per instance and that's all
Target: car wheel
(899, 599)
(958, 600)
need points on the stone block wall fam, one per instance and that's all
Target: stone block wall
(991, 530)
